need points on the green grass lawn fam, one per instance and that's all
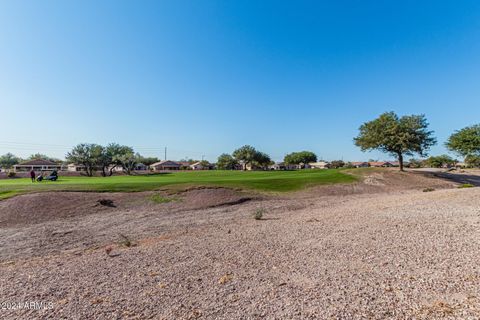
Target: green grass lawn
(266, 181)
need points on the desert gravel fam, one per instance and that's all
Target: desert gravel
(396, 255)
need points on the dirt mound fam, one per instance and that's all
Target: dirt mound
(42, 207)
(381, 180)
(210, 197)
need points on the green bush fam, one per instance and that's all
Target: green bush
(160, 199)
(258, 214)
(11, 174)
(466, 185)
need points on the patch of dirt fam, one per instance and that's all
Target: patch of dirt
(42, 207)
(37, 208)
(383, 180)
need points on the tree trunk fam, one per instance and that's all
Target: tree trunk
(400, 161)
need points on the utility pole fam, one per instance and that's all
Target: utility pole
(165, 153)
(203, 157)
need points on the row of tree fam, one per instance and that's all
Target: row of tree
(389, 133)
(8, 160)
(92, 157)
(246, 156)
(107, 158)
(409, 135)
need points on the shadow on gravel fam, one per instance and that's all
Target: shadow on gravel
(231, 203)
(460, 178)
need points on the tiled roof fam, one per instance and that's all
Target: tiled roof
(38, 162)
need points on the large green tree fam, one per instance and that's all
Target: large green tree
(245, 155)
(125, 157)
(147, 160)
(335, 164)
(397, 136)
(262, 160)
(41, 156)
(226, 162)
(248, 155)
(8, 160)
(302, 157)
(473, 161)
(466, 141)
(86, 154)
(440, 161)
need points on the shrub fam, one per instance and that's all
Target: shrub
(160, 199)
(349, 165)
(258, 215)
(466, 185)
(108, 250)
(11, 174)
(335, 164)
(125, 241)
(106, 203)
(428, 189)
(226, 278)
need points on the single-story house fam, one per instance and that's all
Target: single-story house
(141, 167)
(406, 164)
(319, 165)
(199, 166)
(165, 165)
(72, 167)
(359, 164)
(461, 165)
(277, 166)
(184, 165)
(284, 166)
(380, 164)
(37, 165)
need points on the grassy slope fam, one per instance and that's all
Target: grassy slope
(270, 181)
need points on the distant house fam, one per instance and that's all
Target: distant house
(461, 165)
(199, 166)
(397, 163)
(284, 166)
(37, 165)
(319, 165)
(72, 167)
(166, 165)
(141, 167)
(359, 164)
(380, 164)
(277, 166)
(184, 165)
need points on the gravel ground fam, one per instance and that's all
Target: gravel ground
(396, 255)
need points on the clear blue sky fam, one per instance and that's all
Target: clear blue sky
(204, 77)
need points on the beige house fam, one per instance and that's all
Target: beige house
(360, 164)
(72, 167)
(198, 166)
(166, 165)
(37, 165)
(319, 165)
(380, 164)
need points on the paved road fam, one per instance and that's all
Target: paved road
(468, 177)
